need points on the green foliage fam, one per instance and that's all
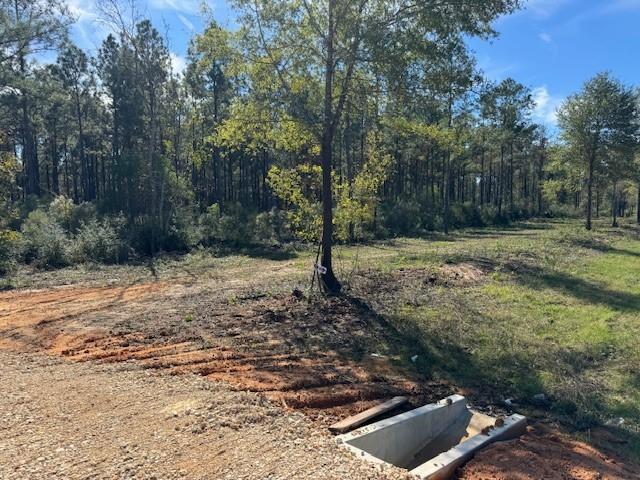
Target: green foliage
(272, 228)
(8, 170)
(356, 203)
(404, 217)
(231, 228)
(99, 242)
(9, 250)
(298, 188)
(210, 225)
(44, 242)
(600, 132)
(424, 133)
(71, 216)
(467, 215)
(355, 206)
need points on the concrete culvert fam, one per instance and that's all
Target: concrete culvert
(434, 440)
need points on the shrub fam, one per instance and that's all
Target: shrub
(564, 211)
(44, 242)
(466, 215)
(403, 217)
(272, 227)
(209, 225)
(490, 216)
(61, 211)
(182, 232)
(230, 228)
(98, 241)
(70, 216)
(9, 250)
(140, 233)
(233, 230)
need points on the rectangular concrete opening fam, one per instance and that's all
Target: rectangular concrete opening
(433, 440)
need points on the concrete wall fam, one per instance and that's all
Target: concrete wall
(399, 439)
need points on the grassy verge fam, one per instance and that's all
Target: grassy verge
(539, 309)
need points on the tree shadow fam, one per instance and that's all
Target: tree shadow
(538, 278)
(602, 247)
(511, 373)
(268, 253)
(578, 288)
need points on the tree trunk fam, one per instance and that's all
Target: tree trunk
(541, 180)
(84, 167)
(592, 162)
(511, 176)
(29, 152)
(482, 187)
(328, 280)
(614, 204)
(447, 194)
(638, 205)
(501, 180)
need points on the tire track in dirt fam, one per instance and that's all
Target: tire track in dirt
(34, 307)
(278, 346)
(313, 383)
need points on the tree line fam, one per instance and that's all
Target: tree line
(323, 121)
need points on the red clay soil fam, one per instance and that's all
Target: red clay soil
(278, 346)
(31, 307)
(546, 454)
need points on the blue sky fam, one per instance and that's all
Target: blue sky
(552, 46)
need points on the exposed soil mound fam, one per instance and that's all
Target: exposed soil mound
(462, 274)
(545, 454)
(448, 275)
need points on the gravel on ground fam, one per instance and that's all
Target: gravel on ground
(64, 420)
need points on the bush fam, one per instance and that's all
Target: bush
(233, 231)
(182, 233)
(564, 211)
(209, 223)
(466, 215)
(44, 242)
(98, 241)
(403, 217)
(231, 228)
(9, 250)
(490, 216)
(70, 216)
(272, 228)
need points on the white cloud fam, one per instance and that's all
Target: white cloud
(88, 30)
(546, 106)
(546, 37)
(178, 63)
(185, 6)
(185, 21)
(493, 70)
(544, 8)
(82, 10)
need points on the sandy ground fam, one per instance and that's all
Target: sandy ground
(125, 403)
